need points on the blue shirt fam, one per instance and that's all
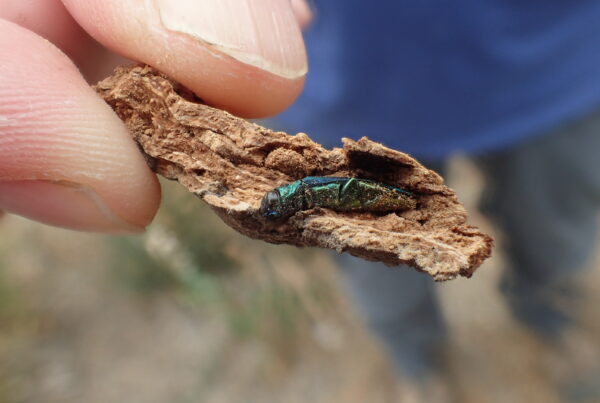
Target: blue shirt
(435, 77)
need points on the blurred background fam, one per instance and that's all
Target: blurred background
(191, 311)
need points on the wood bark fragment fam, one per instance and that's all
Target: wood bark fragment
(230, 163)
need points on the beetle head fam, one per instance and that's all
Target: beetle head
(270, 206)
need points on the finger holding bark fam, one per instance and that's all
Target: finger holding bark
(65, 157)
(244, 56)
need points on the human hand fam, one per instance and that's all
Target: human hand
(65, 158)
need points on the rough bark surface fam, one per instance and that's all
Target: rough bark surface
(231, 163)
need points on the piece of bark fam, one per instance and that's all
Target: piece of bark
(231, 163)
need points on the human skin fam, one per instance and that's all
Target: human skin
(65, 157)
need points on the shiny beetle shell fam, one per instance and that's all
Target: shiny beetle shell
(336, 193)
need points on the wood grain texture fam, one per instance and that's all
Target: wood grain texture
(231, 163)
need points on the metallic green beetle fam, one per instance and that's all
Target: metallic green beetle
(336, 193)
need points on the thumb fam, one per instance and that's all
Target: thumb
(65, 157)
(246, 56)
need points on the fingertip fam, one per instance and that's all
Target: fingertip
(64, 204)
(55, 130)
(241, 55)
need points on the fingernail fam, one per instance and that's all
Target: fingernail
(261, 33)
(62, 204)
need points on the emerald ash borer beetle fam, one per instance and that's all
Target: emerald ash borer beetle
(336, 193)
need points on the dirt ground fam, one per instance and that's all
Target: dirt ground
(193, 312)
